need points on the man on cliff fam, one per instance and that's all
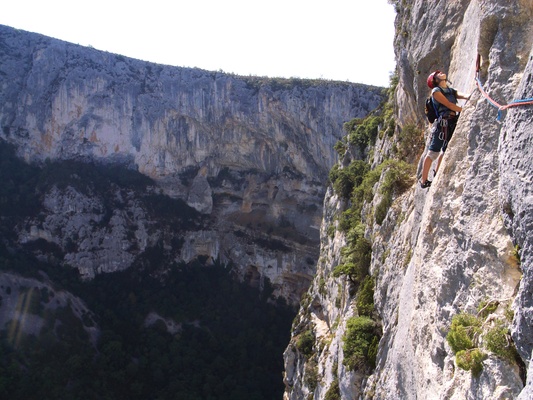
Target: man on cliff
(444, 100)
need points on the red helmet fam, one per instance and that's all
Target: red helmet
(432, 79)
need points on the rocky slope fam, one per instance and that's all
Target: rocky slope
(457, 248)
(250, 154)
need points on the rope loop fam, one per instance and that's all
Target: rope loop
(514, 103)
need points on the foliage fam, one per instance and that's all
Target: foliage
(465, 327)
(345, 179)
(365, 191)
(349, 219)
(305, 343)
(363, 132)
(498, 341)
(226, 327)
(311, 374)
(398, 178)
(361, 343)
(516, 255)
(465, 334)
(410, 143)
(365, 297)
(355, 260)
(486, 307)
(389, 121)
(361, 193)
(470, 360)
(340, 147)
(393, 83)
(333, 392)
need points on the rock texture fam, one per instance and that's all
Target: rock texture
(445, 250)
(251, 153)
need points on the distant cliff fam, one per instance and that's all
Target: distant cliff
(250, 153)
(444, 308)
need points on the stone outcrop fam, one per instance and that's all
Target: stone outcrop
(449, 249)
(252, 154)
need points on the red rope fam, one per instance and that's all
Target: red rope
(493, 102)
(500, 107)
(525, 102)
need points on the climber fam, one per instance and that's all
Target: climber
(444, 99)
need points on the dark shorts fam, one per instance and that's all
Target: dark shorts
(440, 136)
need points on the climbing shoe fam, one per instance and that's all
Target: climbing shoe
(425, 184)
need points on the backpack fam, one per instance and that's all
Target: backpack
(430, 110)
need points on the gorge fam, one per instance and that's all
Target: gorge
(132, 191)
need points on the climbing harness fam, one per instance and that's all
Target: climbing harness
(443, 135)
(500, 107)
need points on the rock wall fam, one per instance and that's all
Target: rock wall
(252, 153)
(449, 249)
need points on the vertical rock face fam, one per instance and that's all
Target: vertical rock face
(516, 198)
(251, 154)
(450, 249)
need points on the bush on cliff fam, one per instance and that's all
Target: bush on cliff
(361, 343)
(467, 337)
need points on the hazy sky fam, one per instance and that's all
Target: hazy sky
(346, 40)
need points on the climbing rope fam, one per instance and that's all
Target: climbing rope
(500, 107)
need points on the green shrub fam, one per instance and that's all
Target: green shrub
(394, 79)
(382, 208)
(410, 142)
(360, 343)
(331, 231)
(364, 192)
(516, 255)
(344, 180)
(322, 286)
(356, 260)
(349, 219)
(333, 392)
(470, 360)
(311, 374)
(487, 307)
(398, 178)
(363, 132)
(305, 343)
(365, 297)
(389, 121)
(340, 147)
(464, 329)
(498, 341)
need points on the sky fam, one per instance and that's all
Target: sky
(344, 40)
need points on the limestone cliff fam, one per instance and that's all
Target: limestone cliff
(251, 154)
(461, 246)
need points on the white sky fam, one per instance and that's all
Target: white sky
(346, 40)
